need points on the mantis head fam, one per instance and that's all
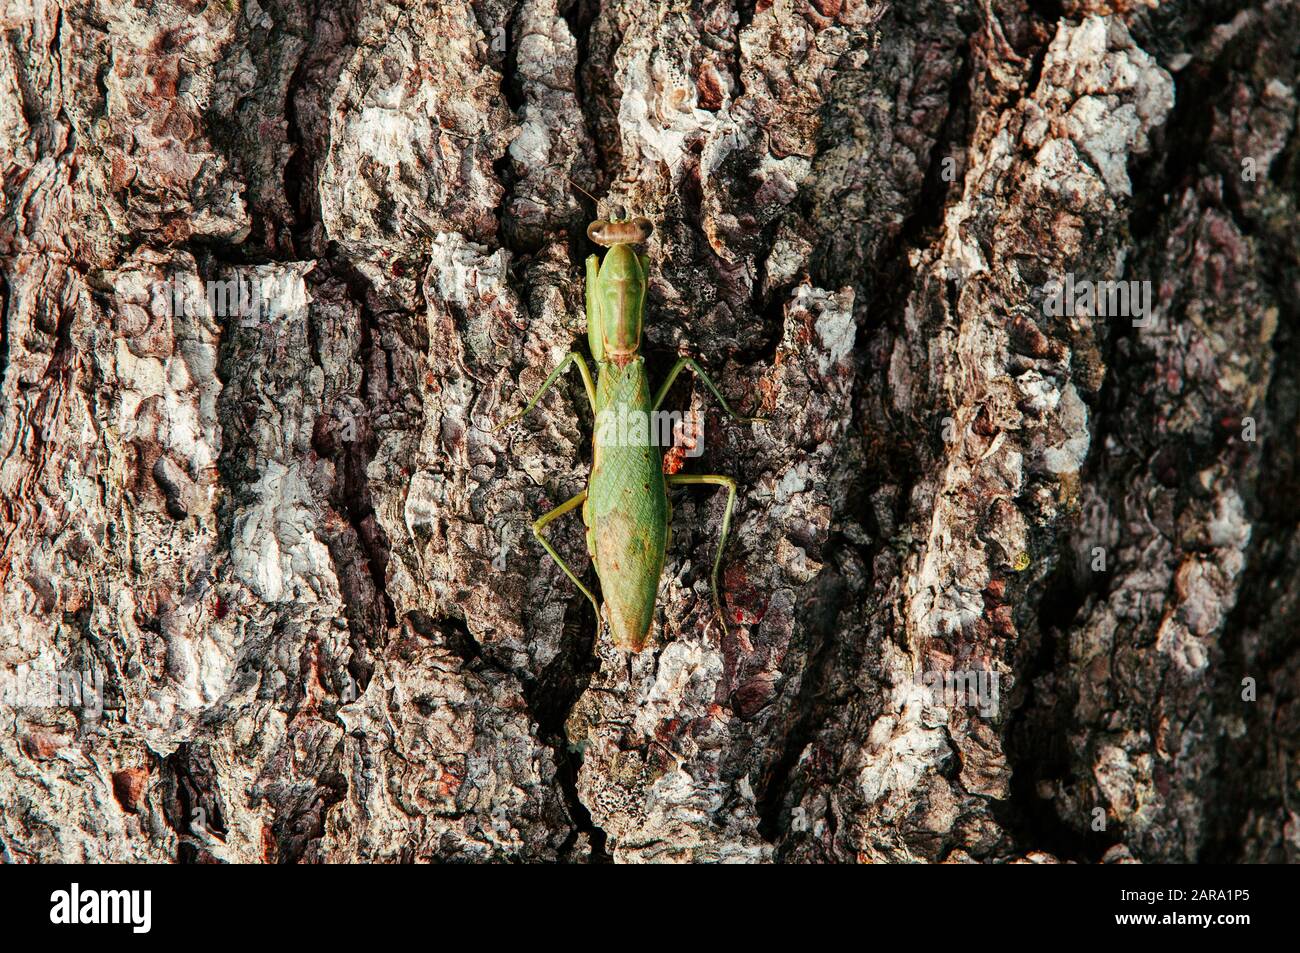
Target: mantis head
(619, 230)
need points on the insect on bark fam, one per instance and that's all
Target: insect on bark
(625, 505)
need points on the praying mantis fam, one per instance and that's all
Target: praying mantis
(625, 505)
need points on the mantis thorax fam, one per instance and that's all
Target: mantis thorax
(616, 289)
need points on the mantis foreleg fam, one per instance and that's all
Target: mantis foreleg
(537, 531)
(714, 479)
(683, 362)
(572, 357)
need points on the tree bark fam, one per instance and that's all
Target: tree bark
(1010, 578)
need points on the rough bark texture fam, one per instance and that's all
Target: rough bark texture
(301, 564)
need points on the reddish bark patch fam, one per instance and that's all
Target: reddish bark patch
(828, 8)
(129, 787)
(708, 87)
(41, 745)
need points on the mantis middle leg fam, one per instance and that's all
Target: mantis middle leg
(684, 362)
(573, 357)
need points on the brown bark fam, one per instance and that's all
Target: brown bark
(289, 546)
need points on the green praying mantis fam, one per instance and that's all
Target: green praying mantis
(625, 505)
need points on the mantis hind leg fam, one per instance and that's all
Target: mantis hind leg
(713, 479)
(538, 526)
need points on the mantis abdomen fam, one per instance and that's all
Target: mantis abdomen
(626, 511)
